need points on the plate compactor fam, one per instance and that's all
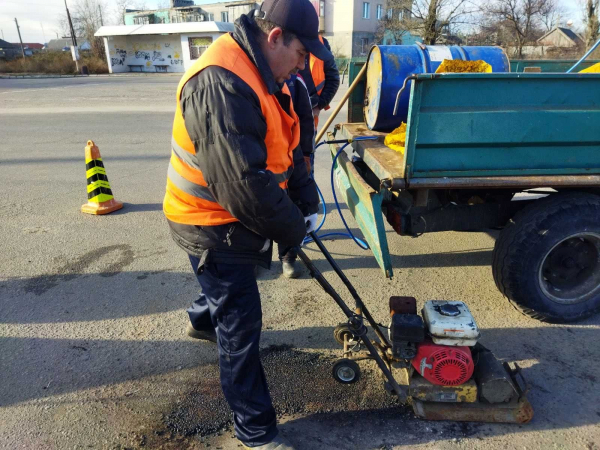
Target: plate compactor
(432, 361)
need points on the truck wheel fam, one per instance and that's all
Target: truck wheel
(547, 259)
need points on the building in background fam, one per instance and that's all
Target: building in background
(64, 45)
(351, 26)
(9, 51)
(178, 3)
(30, 48)
(561, 37)
(558, 43)
(158, 47)
(182, 11)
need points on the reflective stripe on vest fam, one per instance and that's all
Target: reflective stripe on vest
(188, 199)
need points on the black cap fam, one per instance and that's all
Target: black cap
(298, 17)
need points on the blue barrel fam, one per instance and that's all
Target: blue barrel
(389, 65)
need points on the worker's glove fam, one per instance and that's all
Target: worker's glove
(311, 222)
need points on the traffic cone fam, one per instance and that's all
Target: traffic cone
(100, 197)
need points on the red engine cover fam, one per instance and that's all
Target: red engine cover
(443, 365)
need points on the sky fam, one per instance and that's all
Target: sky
(38, 19)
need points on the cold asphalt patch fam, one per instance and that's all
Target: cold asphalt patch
(301, 385)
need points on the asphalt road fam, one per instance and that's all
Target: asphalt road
(92, 309)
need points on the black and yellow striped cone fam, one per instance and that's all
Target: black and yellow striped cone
(100, 197)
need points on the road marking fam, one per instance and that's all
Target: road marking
(49, 88)
(89, 109)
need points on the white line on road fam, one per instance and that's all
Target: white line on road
(89, 109)
(49, 88)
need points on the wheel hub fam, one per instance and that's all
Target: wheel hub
(569, 272)
(346, 373)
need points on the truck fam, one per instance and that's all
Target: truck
(515, 152)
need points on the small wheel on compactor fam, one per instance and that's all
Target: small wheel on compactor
(343, 329)
(346, 371)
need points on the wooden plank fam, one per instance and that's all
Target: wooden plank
(365, 205)
(387, 164)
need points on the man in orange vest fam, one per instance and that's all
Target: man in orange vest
(237, 181)
(322, 79)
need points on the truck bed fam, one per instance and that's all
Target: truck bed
(492, 130)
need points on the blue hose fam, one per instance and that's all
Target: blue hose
(363, 245)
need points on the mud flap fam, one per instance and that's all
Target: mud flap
(365, 205)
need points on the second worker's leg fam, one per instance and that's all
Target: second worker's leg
(288, 262)
(201, 325)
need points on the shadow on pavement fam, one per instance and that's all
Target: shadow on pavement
(138, 207)
(97, 285)
(35, 368)
(72, 295)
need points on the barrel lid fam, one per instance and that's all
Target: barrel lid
(373, 86)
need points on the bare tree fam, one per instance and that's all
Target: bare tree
(550, 15)
(430, 19)
(524, 18)
(434, 18)
(397, 21)
(123, 5)
(87, 17)
(592, 24)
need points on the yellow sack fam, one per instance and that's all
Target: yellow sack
(460, 66)
(395, 140)
(593, 69)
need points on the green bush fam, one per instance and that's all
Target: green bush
(53, 63)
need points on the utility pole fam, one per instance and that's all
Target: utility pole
(73, 37)
(2, 34)
(100, 11)
(20, 40)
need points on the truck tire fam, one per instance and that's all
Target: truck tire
(547, 259)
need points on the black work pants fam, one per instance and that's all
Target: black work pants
(230, 303)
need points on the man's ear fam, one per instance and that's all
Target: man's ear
(274, 35)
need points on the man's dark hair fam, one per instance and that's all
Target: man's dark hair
(265, 27)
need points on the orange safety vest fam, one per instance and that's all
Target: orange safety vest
(317, 71)
(188, 199)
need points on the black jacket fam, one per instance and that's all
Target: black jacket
(223, 118)
(332, 81)
(303, 108)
